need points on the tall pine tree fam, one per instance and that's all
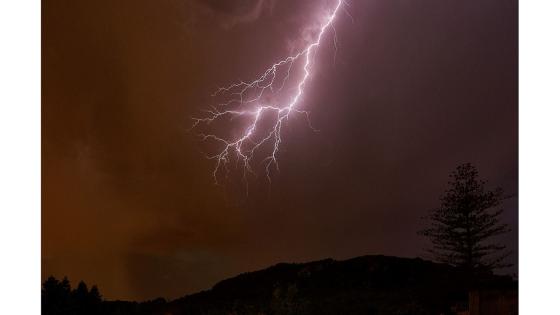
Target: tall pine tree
(462, 228)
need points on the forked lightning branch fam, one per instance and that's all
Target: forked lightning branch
(260, 109)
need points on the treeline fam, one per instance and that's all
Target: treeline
(58, 297)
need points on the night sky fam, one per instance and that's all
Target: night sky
(128, 198)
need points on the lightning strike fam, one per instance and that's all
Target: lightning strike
(246, 101)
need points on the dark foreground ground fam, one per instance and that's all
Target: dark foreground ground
(362, 285)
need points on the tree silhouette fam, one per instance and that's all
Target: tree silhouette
(94, 296)
(81, 292)
(57, 297)
(462, 227)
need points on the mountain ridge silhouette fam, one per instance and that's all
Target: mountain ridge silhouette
(372, 284)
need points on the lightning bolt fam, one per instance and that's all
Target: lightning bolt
(249, 102)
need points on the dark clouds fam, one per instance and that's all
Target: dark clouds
(128, 198)
(239, 11)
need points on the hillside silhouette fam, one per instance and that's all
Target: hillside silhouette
(362, 285)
